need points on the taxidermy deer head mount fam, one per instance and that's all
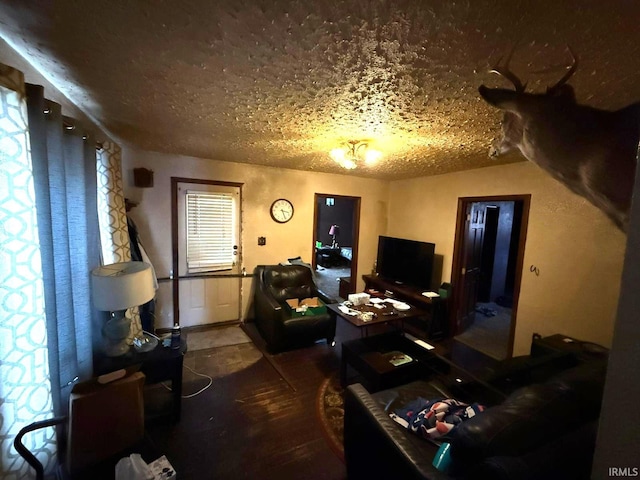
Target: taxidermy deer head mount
(592, 152)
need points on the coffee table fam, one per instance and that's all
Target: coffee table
(367, 356)
(384, 315)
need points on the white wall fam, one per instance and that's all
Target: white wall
(577, 250)
(262, 185)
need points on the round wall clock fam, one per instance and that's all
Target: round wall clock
(282, 210)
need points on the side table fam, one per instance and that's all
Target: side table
(583, 351)
(158, 365)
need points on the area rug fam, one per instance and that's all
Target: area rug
(216, 337)
(330, 407)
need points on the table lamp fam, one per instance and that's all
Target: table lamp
(116, 288)
(333, 231)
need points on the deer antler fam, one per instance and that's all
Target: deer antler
(572, 69)
(504, 71)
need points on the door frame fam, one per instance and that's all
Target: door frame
(356, 231)
(175, 276)
(458, 258)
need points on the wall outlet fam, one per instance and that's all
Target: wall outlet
(262, 241)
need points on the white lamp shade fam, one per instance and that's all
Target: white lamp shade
(120, 286)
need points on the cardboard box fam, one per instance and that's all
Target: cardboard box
(115, 410)
(306, 306)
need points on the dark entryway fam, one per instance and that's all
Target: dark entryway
(335, 243)
(487, 268)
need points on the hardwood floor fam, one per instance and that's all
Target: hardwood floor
(252, 422)
(258, 420)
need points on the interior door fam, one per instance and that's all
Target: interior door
(470, 239)
(489, 244)
(474, 228)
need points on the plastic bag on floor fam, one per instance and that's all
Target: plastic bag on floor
(133, 467)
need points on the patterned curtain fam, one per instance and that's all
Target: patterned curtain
(25, 389)
(114, 233)
(49, 242)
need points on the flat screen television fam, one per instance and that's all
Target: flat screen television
(405, 261)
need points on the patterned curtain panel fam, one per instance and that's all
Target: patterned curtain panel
(114, 233)
(25, 393)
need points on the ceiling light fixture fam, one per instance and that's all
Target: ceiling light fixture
(354, 152)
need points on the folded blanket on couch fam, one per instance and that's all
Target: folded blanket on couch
(431, 419)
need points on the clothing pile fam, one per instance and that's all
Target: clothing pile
(431, 419)
(487, 312)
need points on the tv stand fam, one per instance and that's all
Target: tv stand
(433, 325)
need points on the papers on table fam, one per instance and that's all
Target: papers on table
(430, 294)
(376, 302)
(347, 310)
(364, 316)
(397, 304)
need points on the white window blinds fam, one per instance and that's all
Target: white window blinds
(210, 220)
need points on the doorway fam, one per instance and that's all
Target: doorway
(206, 263)
(336, 226)
(487, 270)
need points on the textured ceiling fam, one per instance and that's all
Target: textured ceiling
(283, 82)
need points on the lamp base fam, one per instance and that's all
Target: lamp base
(116, 350)
(115, 333)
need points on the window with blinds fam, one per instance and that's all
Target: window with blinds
(210, 225)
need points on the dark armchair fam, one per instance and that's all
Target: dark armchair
(274, 285)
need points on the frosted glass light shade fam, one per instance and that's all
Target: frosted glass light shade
(354, 152)
(120, 286)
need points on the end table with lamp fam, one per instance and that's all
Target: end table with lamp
(158, 364)
(115, 288)
(334, 231)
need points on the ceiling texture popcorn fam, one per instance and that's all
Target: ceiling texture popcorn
(283, 83)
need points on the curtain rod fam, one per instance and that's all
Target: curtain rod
(70, 127)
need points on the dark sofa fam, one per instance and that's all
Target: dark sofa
(542, 430)
(280, 330)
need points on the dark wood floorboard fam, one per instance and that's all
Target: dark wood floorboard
(251, 423)
(258, 420)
